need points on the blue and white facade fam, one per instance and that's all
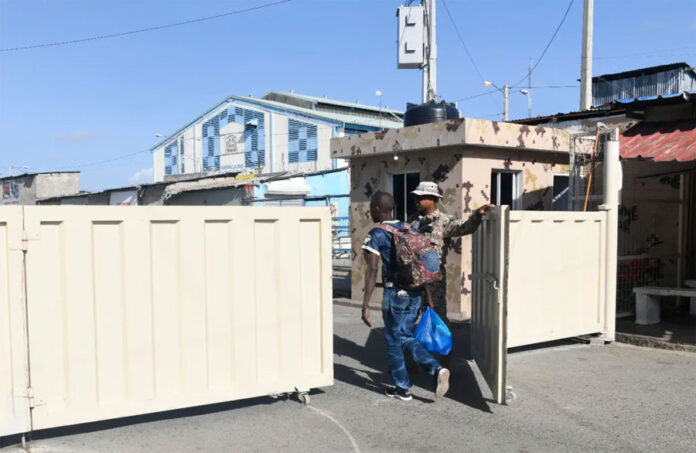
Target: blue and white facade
(264, 136)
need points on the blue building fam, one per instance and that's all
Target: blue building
(281, 132)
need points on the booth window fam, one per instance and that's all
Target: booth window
(506, 188)
(560, 192)
(404, 200)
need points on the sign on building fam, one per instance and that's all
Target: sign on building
(410, 38)
(10, 192)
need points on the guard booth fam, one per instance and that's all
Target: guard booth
(543, 276)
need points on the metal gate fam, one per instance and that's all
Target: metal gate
(555, 276)
(537, 277)
(489, 300)
(143, 309)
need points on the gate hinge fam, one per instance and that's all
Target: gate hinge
(34, 401)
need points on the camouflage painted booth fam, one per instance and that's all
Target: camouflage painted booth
(474, 162)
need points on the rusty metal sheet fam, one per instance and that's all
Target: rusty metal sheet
(661, 142)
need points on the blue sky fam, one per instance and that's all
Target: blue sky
(80, 106)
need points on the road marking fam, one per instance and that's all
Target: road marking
(343, 428)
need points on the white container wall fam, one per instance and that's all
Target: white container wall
(556, 274)
(142, 309)
(537, 276)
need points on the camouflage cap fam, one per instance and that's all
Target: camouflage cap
(427, 188)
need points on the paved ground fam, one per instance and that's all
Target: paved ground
(570, 398)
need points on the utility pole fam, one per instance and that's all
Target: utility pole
(506, 95)
(430, 41)
(586, 74)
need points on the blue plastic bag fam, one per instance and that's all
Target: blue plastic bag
(433, 333)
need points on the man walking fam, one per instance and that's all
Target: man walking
(440, 228)
(399, 306)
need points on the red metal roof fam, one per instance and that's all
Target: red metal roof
(661, 142)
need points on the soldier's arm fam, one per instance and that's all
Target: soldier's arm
(461, 227)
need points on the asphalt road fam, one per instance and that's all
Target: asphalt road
(569, 398)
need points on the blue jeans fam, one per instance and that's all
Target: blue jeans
(400, 312)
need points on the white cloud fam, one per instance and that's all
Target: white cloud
(79, 136)
(142, 176)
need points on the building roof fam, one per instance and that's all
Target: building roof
(24, 175)
(331, 117)
(617, 107)
(571, 116)
(640, 72)
(458, 132)
(663, 99)
(318, 101)
(660, 142)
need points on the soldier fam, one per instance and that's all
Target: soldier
(439, 228)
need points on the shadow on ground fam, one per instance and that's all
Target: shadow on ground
(144, 418)
(373, 356)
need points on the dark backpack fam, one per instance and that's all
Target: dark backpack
(417, 261)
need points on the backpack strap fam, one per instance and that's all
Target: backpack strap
(390, 228)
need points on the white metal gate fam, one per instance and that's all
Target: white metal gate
(142, 309)
(555, 276)
(537, 277)
(489, 300)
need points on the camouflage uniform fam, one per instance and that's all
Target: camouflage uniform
(440, 228)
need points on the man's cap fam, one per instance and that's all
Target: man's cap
(427, 188)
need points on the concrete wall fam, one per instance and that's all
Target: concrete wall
(463, 173)
(57, 184)
(27, 189)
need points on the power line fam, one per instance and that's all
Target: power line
(105, 161)
(144, 30)
(461, 39)
(466, 49)
(533, 87)
(171, 140)
(547, 45)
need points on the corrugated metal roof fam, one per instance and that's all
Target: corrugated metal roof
(660, 142)
(666, 99)
(641, 71)
(321, 100)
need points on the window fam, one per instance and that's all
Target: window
(302, 142)
(171, 158)
(506, 188)
(560, 192)
(404, 200)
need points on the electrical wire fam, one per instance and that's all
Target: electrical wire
(534, 88)
(172, 139)
(466, 49)
(144, 30)
(553, 37)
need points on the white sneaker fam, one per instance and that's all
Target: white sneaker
(443, 375)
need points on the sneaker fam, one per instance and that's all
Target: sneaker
(442, 385)
(396, 392)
